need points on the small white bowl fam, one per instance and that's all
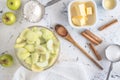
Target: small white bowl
(70, 16)
(103, 2)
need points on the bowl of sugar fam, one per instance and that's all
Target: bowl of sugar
(113, 53)
(33, 11)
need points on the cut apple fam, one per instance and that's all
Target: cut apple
(23, 53)
(30, 48)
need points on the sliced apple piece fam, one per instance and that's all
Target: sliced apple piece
(23, 53)
(31, 36)
(20, 45)
(50, 44)
(36, 68)
(30, 48)
(37, 42)
(35, 57)
(28, 60)
(41, 49)
(22, 35)
(46, 34)
(19, 40)
(42, 64)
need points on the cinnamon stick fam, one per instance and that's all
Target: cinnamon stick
(93, 36)
(90, 38)
(95, 52)
(107, 25)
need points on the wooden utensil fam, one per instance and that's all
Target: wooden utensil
(64, 33)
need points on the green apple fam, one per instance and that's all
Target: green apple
(13, 4)
(6, 60)
(8, 18)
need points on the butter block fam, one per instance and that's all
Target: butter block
(82, 10)
(89, 11)
(75, 11)
(83, 21)
(76, 21)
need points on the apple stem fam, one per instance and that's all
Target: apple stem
(11, 3)
(7, 19)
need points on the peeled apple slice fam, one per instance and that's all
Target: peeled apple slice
(22, 35)
(42, 64)
(52, 59)
(46, 34)
(38, 33)
(20, 45)
(35, 57)
(30, 48)
(23, 53)
(36, 68)
(42, 58)
(37, 42)
(28, 60)
(34, 29)
(19, 40)
(30, 42)
(50, 44)
(41, 49)
(31, 36)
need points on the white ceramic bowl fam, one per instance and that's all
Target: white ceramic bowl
(103, 4)
(70, 16)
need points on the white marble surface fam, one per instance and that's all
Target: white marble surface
(55, 13)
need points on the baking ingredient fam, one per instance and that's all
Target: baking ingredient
(108, 24)
(82, 9)
(92, 37)
(32, 11)
(37, 48)
(113, 53)
(8, 18)
(82, 13)
(13, 4)
(89, 11)
(76, 21)
(6, 60)
(83, 21)
(109, 4)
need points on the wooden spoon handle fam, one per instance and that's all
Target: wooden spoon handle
(96, 63)
(69, 38)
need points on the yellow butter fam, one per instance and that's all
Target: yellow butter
(76, 21)
(82, 9)
(83, 21)
(76, 11)
(89, 11)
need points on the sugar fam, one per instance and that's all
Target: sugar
(32, 11)
(113, 53)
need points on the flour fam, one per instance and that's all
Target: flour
(113, 53)
(32, 11)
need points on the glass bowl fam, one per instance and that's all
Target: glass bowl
(33, 9)
(51, 57)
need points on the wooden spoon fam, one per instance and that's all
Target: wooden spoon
(64, 33)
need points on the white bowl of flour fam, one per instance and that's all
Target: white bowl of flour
(33, 11)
